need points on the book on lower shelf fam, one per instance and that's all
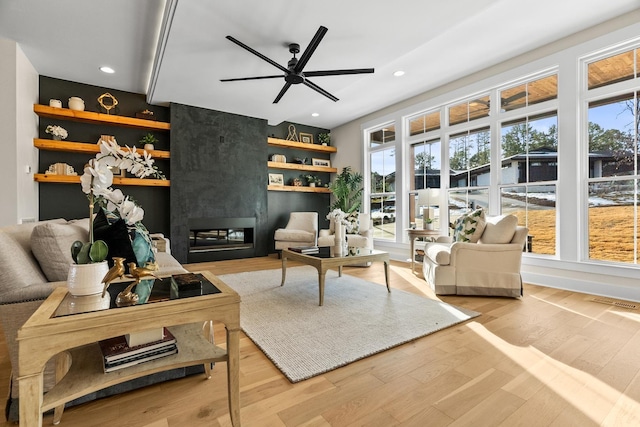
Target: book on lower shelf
(141, 358)
(305, 249)
(116, 348)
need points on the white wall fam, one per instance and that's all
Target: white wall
(8, 134)
(566, 270)
(18, 127)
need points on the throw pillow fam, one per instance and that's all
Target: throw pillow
(500, 229)
(469, 227)
(51, 245)
(354, 219)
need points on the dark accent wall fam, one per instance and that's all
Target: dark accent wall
(282, 203)
(219, 170)
(67, 200)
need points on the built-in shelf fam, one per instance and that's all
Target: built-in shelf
(299, 167)
(75, 179)
(300, 189)
(98, 118)
(85, 148)
(275, 142)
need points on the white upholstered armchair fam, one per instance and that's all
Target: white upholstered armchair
(487, 265)
(362, 239)
(301, 230)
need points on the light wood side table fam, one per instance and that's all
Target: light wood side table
(44, 336)
(414, 233)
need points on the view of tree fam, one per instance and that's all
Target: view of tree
(515, 141)
(424, 161)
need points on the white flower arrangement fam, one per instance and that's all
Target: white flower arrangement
(58, 131)
(96, 183)
(98, 178)
(339, 216)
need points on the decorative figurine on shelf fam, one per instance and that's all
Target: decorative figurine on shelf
(293, 136)
(146, 114)
(107, 101)
(296, 182)
(127, 297)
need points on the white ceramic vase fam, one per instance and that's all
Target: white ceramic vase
(76, 103)
(86, 279)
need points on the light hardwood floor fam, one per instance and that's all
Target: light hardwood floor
(552, 358)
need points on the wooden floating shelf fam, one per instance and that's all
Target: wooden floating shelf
(299, 189)
(91, 117)
(275, 142)
(298, 167)
(75, 179)
(85, 148)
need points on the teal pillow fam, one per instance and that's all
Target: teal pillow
(469, 227)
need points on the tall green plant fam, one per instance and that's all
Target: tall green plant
(347, 191)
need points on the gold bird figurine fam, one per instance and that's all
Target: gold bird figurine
(139, 272)
(115, 272)
(127, 297)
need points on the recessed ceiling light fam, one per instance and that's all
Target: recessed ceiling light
(315, 114)
(398, 73)
(107, 70)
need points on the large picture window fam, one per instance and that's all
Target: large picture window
(613, 179)
(425, 184)
(382, 182)
(530, 159)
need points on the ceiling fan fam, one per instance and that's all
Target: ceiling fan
(293, 73)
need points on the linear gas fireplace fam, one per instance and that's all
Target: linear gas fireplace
(212, 239)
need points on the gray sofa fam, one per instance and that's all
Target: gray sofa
(34, 259)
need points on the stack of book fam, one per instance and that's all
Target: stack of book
(117, 354)
(305, 249)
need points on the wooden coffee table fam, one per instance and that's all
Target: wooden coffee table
(325, 260)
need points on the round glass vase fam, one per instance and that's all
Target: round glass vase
(86, 279)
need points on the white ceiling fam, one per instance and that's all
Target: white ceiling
(176, 51)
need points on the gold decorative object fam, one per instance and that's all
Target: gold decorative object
(127, 297)
(115, 272)
(292, 134)
(109, 104)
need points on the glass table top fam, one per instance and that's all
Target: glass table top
(149, 291)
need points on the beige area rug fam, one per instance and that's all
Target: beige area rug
(358, 319)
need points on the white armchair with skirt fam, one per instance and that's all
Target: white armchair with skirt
(484, 261)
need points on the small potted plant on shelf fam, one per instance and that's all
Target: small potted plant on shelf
(312, 180)
(147, 141)
(324, 138)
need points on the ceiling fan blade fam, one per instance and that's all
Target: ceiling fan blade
(338, 72)
(315, 41)
(285, 88)
(251, 78)
(510, 99)
(320, 90)
(258, 54)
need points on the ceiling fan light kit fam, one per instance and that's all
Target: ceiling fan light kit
(293, 73)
